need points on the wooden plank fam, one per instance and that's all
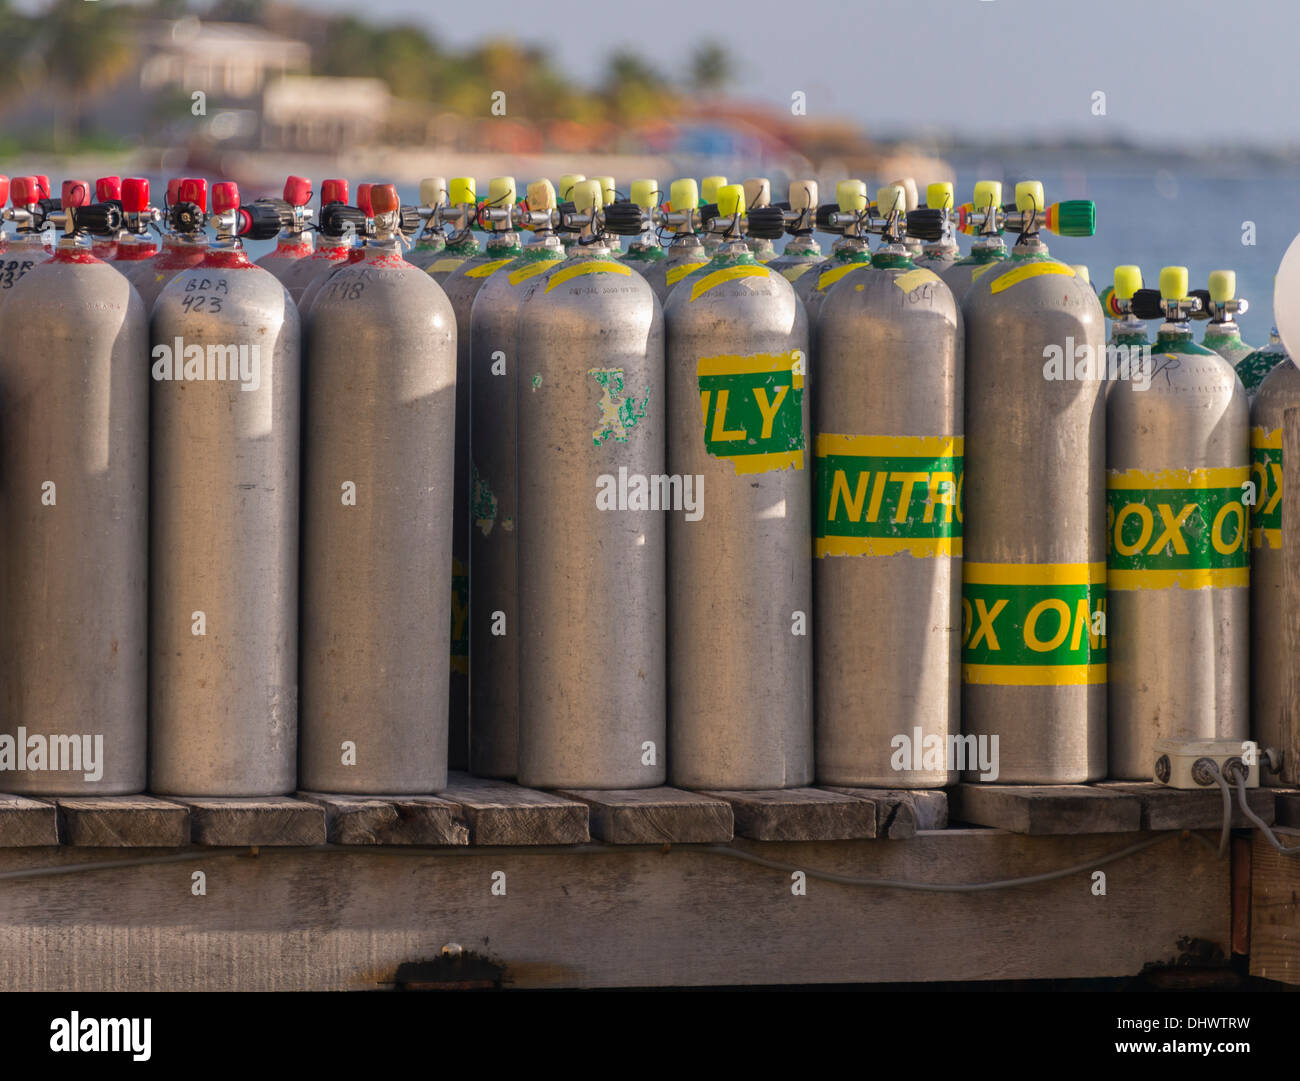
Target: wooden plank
(900, 812)
(800, 814)
(1045, 809)
(25, 821)
(1275, 909)
(640, 816)
(610, 915)
(499, 813)
(122, 822)
(1166, 808)
(262, 821)
(390, 820)
(1290, 727)
(1286, 807)
(1240, 850)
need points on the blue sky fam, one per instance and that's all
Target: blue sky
(1187, 72)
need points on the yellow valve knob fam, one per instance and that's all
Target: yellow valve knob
(433, 191)
(683, 195)
(586, 196)
(709, 188)
(988, 193)
(1223, 285)
(803, 195)
(851, 196)
(645, 193)
(1081, 271)
(461, 191)
(891, 199)
(606, 189)
(567, 181)
(501, 191)
(908, 184)
(731, 200)
(1173, 283)
(1029, 195)
(541, 195)
(758, 192)
(939, 196)
(1128, 280)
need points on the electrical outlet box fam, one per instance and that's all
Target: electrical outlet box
(1181, 763)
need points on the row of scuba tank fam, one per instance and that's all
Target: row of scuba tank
(649, 494)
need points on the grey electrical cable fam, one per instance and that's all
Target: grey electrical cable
(1259, 822)
(1227, 811)
(932, 887)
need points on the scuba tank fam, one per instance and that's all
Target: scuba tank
(1034, 543)
(496, 216)
(740, 582)
(108, 189)
(1178, 574)
(685, 250)
(26, 248)
(887, 518)
(226, 401)
(295, 240)
(1221, 304)
(378, 448)
(338, 227)
(850, 216)
(709, 188)
(800, 216)
(758, 196)
(74, 497)
(914, 247)
(941, 253)
(645, 249)
(1128, 349)
(461, 214)
(564, 195)
(184, 243)
(134, 244)
(431, 241)
(1255, 367)
(1270, 656)
(979, 218)
(590, 364)
(494, 499)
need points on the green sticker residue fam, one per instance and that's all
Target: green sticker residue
(618, 413)
(537, 380)
(483, 503)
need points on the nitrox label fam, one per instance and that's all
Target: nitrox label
(1266, 472)
(459, 618)
(752, 410)
(885, 495)
(1181, 528)
(1033, 624)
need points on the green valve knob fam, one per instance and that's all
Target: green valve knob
(1075, 217)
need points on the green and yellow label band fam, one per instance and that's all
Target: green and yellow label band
(752, 410)
(1033, 624)
(887, 495)
(1183, 528)
(1266, 472)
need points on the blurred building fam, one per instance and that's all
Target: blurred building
(228, 60)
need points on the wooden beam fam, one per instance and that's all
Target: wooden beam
(390, 820)
(1286, 807)
(498, 813)
(641, 816)
(26, 822)
(900, 812)
(1045, 809)
(122, 822)
(261, 821)
(1275, 910)
(1166, 808)
(800, 814)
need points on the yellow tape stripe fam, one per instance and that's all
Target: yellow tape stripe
(1187, 578)
(726, 274)
(1259, 437)
(914, 279)
(1030, 270)
(884, 446)
(888, 546)
(1215, 477)
(830, 277)
(587, 266)
(792, 273)
(984, 268)
(765, 463)
(677, 273)
(753, 364)
(1272, 536)
(439, 265)
(1047, 675)
(532, 270)
(486, 270)
(1032, 574)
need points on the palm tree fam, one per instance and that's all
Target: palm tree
(711, 67)
(84, 49)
